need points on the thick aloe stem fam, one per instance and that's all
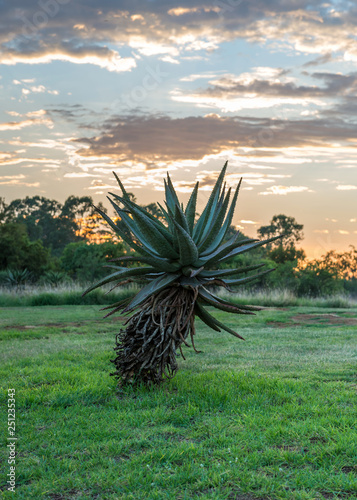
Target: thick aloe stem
(147, 350)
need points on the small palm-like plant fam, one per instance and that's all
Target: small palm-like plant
(18, 277)
(54, 278)
(177, 261)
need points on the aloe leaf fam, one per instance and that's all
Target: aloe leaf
(151, 288)
(188, 281)
(148, 231)
(214, 213)
(172, 190)
(157, 223)
(216, 302)
(215, 225)
(247, 247)
(123, 234)
(226, 225)
(206, 317)
(219, 273)
(170, 194)
(156, 262)
(212, 201)
(241, 281)
(150, 274)
(181, 219)
(223, 250)
(168, 214)
(190, 210)
(116, 304)
(122, 273)
(123, 190)
(227, 329)
(187, 247)
(240, 306)
(131, 226)
(213, 322)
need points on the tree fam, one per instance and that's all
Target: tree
(44, 220)
(315, 279)
(56, 225)
(3, 208)
(84, 262)
(282, 225)
(283, 249)
(175, 264)
(18, 252)
(344, 263)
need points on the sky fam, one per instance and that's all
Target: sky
(148, 87)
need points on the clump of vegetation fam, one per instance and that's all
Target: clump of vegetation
(178, 263)
(17, 277)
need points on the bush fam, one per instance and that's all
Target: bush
(3, 277)
(314, 281)
(18, 277)
(350, 286)
(84, 262)
(54, 278)
(18, 252)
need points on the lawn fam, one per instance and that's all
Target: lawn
(270, 418)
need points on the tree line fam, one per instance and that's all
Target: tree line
(43, 240)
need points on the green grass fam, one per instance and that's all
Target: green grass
(66, 294)
(270, 418)
(71, 294)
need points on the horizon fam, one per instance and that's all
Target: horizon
(148, 87)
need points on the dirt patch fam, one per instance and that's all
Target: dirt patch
(42, 325)
(349, 468)
(323, 319)
(317, 439)
(61, 325)
(279, 324)
(340, 494)
(330, 319)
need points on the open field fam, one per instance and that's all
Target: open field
(270, 418)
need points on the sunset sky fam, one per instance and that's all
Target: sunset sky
(145, 87)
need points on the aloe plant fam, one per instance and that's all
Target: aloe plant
(177, 261)
(18, 277)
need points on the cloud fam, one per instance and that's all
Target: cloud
(11, 177)
(151, 139)
(74, 175)
(319, 60)
(266, 87)
(102, 57)
(284, 190)
(13, 158)
(26, 123)
(37, 89)
(346, 187)
(16, 180)
(35, 32)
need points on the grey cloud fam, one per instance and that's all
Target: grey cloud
(319, 60)
(335, 84)
(35, 28)
(73, 112)
(149, 138)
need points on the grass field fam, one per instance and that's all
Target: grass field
(270, 418)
